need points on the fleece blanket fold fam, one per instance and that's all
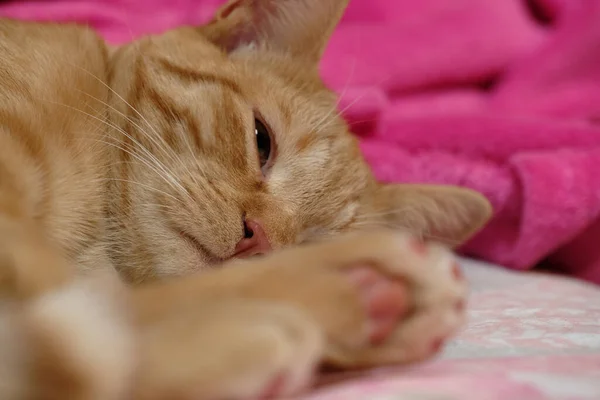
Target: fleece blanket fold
(502, 96)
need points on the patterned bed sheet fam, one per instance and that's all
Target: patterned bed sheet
(531, 336)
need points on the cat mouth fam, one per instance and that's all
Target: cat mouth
(243, 253)
(208, 255)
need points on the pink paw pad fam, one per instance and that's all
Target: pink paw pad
(274, 388)
(418, 246)
(457, 272)
(437, 345)
(385, 300)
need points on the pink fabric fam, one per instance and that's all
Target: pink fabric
(502, 96)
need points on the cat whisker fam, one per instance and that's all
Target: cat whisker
(168, 178)
(363, 121)
(129, 150)
(118, 96)
(154, 205)
(383, 214)
(107, 123)
(184, 165)
(317, 126)
(165, 208)
(149, 154)
(165, 175)
(161, 146)
(138, 158)
(378, 220)
(169, 153)
(156, 133)
(341, 112)
(165, 146)
(130, 206)
(194, 177)
(117, 163)
(146, 187)
(421, 234)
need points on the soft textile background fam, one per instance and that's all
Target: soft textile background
(502, 96)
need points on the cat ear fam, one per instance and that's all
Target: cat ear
(298, 27)
(447, 214)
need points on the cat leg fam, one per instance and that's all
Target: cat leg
(79, 343)
(229, 349)
(379, 298)
(74, 342)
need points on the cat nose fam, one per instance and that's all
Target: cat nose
(255, 240)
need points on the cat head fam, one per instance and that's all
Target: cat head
(228, 143)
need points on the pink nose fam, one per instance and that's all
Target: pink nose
(254, 242)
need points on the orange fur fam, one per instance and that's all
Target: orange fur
(142, 160)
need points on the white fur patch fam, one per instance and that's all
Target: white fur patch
(93, 330)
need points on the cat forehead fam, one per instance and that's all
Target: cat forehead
(290, 98)
(271, 85)
(253, 67)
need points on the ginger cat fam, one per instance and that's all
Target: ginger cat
(126, 171)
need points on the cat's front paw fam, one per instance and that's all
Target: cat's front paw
(415, 297)
(380, 298)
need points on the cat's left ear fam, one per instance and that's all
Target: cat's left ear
(298, 27)
(447, 214)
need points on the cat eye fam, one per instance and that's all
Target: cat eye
(263, 143)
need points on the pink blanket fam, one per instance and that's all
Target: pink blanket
(502, 96)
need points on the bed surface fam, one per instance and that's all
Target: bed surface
(531, 336)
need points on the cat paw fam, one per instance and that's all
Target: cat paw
(413, 298)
